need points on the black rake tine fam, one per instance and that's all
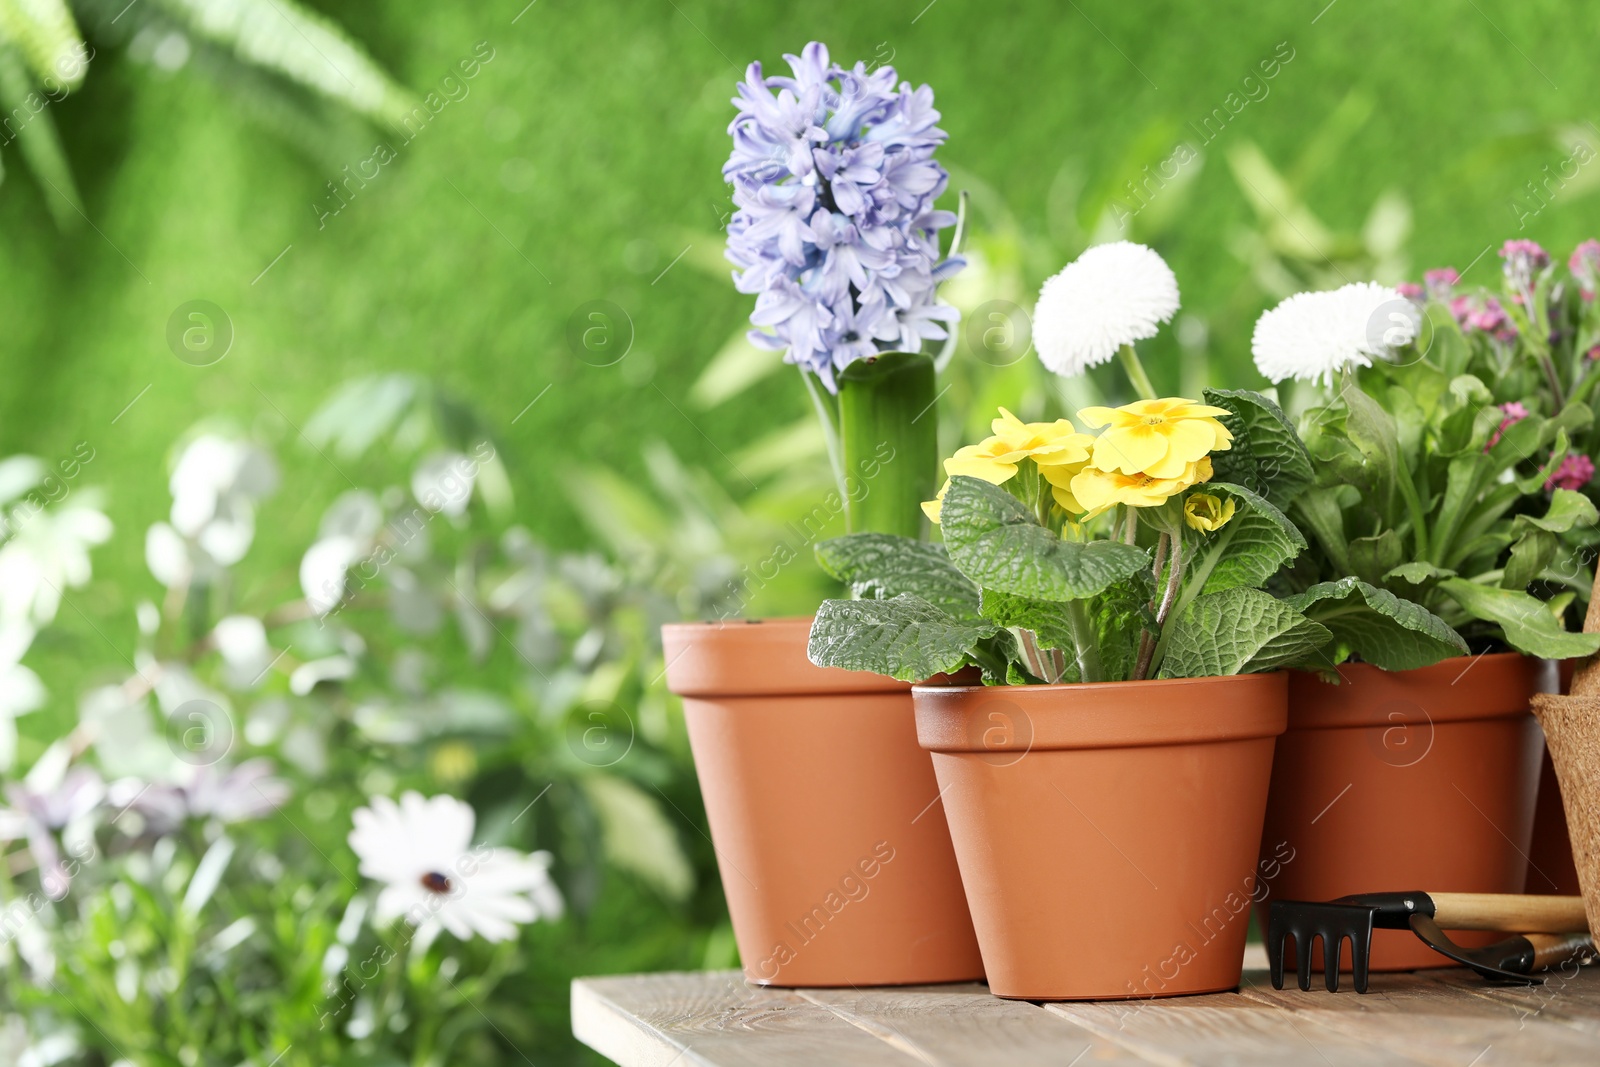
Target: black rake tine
(1360, 960)
(1330, 960)
(1277, 934)
(1303, 947)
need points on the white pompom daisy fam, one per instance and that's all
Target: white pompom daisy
(421, 849)
(1314, 336)
(1112, 295)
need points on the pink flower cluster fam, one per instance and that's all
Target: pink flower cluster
(1585, 266)
(1574, 472)
(1514, 412)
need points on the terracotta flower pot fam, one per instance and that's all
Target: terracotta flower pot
(1421, 779)
(833, 850)
(1107, 833)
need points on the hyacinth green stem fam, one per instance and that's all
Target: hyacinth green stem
(1136, 375)
(888, 433)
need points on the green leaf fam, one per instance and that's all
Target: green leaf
(904, 637)
(40, 144)
(1241, 631)
(1419, 573)
(1567, 509)
(996, 542)
(638, 837)
(1267, 456)
(884, 566)
(1320, 511)
(1381, 628)
(1372, 430)
(1373, 557)
(1527, 622)
(305, 47)
(48, 38)
(1530, 555)
(1255, 543)
(1046, 618)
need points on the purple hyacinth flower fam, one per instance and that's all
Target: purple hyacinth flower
(835, 231)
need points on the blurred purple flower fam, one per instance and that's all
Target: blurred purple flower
(1585, 266)
(1523, 259)
(1410, 290)
(1574, 472)
(42, 805)
(245, 792)
(835, 234)
(1440, 282)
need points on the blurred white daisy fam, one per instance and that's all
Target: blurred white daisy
(215, 487)
(48, 554)
(421, 849)
(1314, 336)
(1112, 295)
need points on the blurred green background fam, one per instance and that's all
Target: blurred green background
(583, 165)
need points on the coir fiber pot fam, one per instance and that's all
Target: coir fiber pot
(833, 850)
(1422, 779)
(1107, 833)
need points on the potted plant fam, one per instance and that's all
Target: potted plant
(1105, 786)
(837, 871)
(1443, 426)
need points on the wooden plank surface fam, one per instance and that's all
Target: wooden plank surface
(1445, 1018)
(963, 1025)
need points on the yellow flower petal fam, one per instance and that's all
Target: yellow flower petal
(974, 462)
(1130, 449)
(935, 507)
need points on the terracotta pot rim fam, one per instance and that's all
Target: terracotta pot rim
(755, 657)
(1095, 715)
(1496, 685)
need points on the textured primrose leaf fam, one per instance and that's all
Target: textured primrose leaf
(881, 566)
(1242, 631)
(997, 543)
(1381, 628)
(904, 637)
(1267, 456)
(1255, 543)
(1527, 622)
(1418, 573)
(1046, 618)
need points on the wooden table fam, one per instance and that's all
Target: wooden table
(1448, 1018)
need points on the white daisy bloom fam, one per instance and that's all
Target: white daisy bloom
(421, 849)
(1314, 336)
(1112, 295)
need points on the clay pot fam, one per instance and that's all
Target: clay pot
(824, 814)
(1401, 780)
(1107, 833)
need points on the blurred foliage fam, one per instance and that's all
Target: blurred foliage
(580, 164)
(431, 642)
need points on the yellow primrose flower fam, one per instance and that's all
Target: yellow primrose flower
(1096, 490)
(975, 462)
(1159, 438)
(1048, 444)
(1052, 445)
(1207, 513)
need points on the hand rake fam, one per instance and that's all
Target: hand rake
(1355, 917)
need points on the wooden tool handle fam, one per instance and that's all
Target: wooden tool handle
(1510, 912)
(1552, 949)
